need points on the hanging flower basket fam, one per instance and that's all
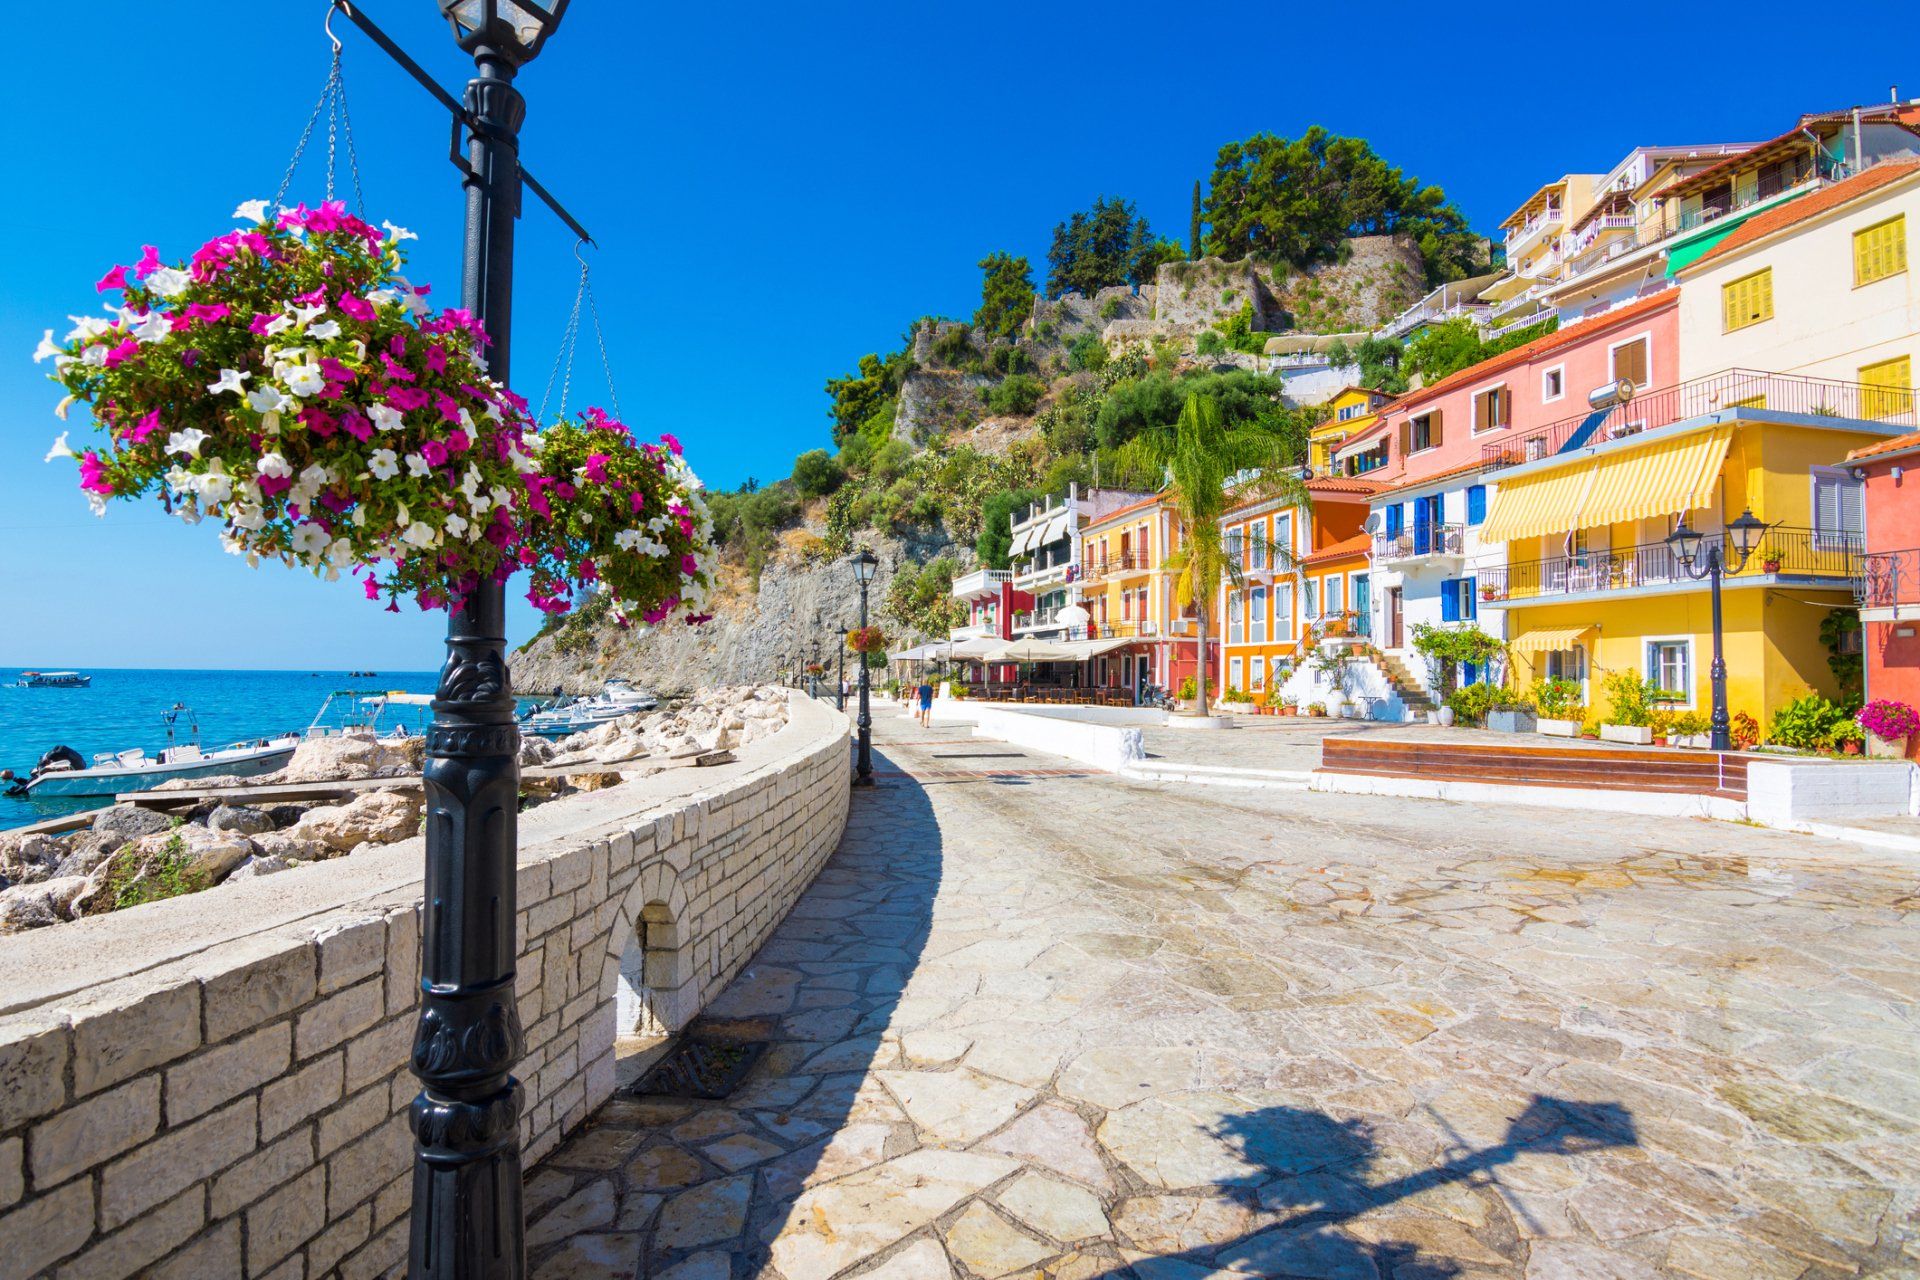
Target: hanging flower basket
(289, 383)
(816, 668)
(867, 640)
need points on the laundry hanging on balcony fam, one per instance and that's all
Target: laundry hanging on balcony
(1661, 478)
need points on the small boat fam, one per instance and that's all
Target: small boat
(64, 772)
(54, 680)
(382, 714)
(561, 719)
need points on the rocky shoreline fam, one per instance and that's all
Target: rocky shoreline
(132, 854)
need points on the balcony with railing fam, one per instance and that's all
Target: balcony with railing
(1518, 237)
(981, 582)
(1784, 393)
(1051, 562)
(1420, 542)
(1890, 584)
(1827, 556)
(1097, 567)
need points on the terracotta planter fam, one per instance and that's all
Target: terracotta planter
(1850, 748)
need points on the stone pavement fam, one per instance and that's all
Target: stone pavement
(1081, 1027)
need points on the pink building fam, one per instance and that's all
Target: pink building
(1889, 593)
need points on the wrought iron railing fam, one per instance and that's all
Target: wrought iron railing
(1732, 389)
(1421, 540)
(1101, 566)
(1825, 554)
(1889, 578)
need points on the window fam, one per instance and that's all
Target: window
(1837, 516)
(1880, 250)
(1234, 634)
(1257, 552)
(1283, 533)
(1492, 409)
(1236, 539)
(1745, 301)
(1887, 388)
(1257, 615)
(1233, 674)
(1476, 504)
(1565, 664)
(1670, 665)
(1335, 592)
(1630, 362)
(1423, 432)
(1458, 600)
(1310, 598)
(1283, 611)
(1553, 383)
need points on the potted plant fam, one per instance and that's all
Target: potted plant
(1689, 730)
(1633, 701)
(1558, 703)
(867, 640)
(1890, 726)
(1847, 737)
(1807, 723)
(1188, 694)
(1512, 714)
(1770, 565)
(1316, 709)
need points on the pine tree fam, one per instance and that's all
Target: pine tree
(1193, 227)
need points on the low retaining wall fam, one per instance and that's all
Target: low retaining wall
(1104, 746)
(1785, 792)
(216, 1085)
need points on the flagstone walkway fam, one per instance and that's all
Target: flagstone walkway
(1072, 1027)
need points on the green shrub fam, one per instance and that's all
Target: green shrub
(816, 474)
(1471, 704)
(1008, 359)
(1087, 352)
(1806, 723)
(1019, 395)
(1633, 699)
(1211, 342)
(1111, 309)
(1189, 688)
(1557, 699)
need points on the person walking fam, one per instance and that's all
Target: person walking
(926, 703)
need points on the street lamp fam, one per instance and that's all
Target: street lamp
(1686, 545)
(467, 1220)
(865, 565)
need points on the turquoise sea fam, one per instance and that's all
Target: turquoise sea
(123, 709)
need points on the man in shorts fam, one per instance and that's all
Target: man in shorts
(926, 702)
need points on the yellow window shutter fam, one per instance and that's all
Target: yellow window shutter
(1887, 388)
(1880, 251)
(1748, 300)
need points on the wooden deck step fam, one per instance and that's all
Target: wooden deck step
(1582, 768)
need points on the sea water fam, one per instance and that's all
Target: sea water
(125, 709)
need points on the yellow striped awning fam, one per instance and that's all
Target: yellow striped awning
(1658, 479)
(1550, 639)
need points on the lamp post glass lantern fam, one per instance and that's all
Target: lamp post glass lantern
(467, 1220)
(1687, 545)
(865, 565)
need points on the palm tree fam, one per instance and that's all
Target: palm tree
(1207, 467)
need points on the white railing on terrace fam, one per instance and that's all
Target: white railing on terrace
(978, 581)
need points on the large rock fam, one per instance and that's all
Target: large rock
(30, 859)
(88, 850)
(293, 848)
(345, 757)
(162, 865)
(377, 817)
(130, 821)
(264, 864)
(34, 906)
(240, 820)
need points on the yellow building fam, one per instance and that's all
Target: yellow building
(1128, 594)
(1349, 414)
(1592, 587)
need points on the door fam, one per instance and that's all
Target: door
(1396, 639)
(1362, 605)
(1422, 526)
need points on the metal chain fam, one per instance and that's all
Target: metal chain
(333, 101)
(563, 358)
(346, 127)
(306, 134)
(606, 364)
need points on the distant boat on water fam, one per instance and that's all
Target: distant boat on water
(53, 680)
(563, 718)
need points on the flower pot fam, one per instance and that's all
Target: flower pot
(1886, 748)
(1770, 566)
(1446, 716)
(1638, 735)
(1335, 703)
(1511, 721)
(1557, 728)
(1690, 741)
(1850, 747)
(1433, 717)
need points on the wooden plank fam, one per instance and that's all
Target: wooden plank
(56, 826)
(1663, 789)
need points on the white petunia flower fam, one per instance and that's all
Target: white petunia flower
(230, 380)
(66, 403)
(279, 324)
(316, 477)
(384, 416)
(397, 234)
(94, 356)
(153, 327)
(418, 535)
(325, 329)
(310, 540)
(60, 449)
(304, 316)
(418, 465)
(235, 545)
(168, 282)
(47, 347)
(187, 442)
(86, 327)
(627, 539)
(456, 526)
(216, 485)
(273, 466)
(306, 380)
(268, 398)
(252, 211)
(383, 297)
(385, 464)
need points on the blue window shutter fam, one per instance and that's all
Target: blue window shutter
(1450, 600)
(1396, 520)
(1469, 674)
(1476, 503)
(1470, 598)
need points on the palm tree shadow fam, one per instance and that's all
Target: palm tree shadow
(1317, 1166)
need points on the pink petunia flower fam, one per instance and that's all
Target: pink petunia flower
(149, 261)
(114, 279)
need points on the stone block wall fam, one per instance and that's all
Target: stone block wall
(233, 1103)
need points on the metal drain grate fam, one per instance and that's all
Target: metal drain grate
(978, 755)
(700, 1069)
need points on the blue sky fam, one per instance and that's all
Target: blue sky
(776, 189)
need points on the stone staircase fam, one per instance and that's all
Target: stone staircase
(1413, 694)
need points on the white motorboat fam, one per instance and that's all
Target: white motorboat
(64, 772)
(618, 698)
(53, 680)
(386, 715)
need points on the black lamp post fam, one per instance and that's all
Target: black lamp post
(467, 1221)
(840, 672)
(865, 565)
(1745, 534)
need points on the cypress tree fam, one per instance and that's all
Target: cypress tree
(1193, 229)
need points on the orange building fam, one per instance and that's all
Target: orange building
(1298, 567)
(1128, 594)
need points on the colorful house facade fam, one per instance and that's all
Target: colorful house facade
(1889, 590)
(1128, 594)
(1351, 412)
